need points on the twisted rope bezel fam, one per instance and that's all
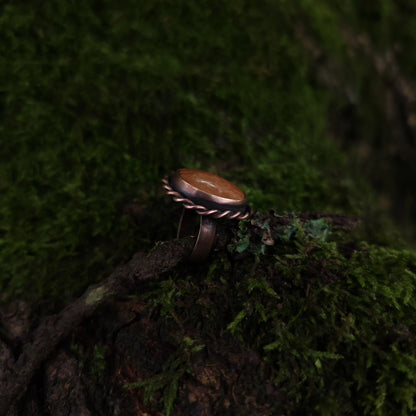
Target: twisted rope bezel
(201, 209)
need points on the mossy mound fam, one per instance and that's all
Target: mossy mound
(335, 331)
(293, 318)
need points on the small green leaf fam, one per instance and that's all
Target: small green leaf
(243, 244)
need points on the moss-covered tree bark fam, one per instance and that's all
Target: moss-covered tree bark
(308, 106)
(289, 314)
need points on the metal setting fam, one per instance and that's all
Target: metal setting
(242, 214)
(205, 207)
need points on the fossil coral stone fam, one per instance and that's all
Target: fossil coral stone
(212, 184)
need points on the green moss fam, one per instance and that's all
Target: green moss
(168, 380)
(335, 331)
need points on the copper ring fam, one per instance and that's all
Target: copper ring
(206, 197)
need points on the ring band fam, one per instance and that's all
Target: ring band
(208, 196)
(204, 239)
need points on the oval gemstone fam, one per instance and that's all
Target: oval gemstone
(211, 184)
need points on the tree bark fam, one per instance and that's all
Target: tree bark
(163, 257)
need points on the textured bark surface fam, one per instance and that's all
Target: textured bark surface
(16, 375)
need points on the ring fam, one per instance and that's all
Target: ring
(206, 197)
